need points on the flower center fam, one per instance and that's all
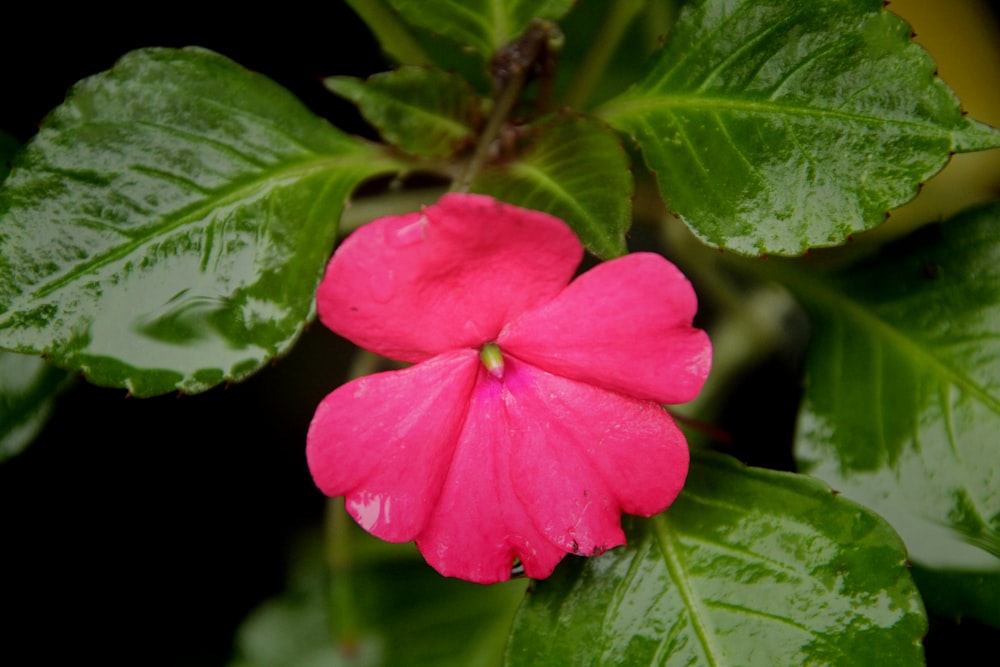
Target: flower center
(492, 358)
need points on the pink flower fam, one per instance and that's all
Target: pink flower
(530, 419)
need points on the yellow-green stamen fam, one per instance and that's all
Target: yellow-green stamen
(492, 358)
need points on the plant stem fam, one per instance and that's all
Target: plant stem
(338, 550)
(341, 603)
(595, 63)
(511, 68)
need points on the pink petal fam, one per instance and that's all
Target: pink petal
(543, 467)
(582, 453)
(624, 325)
(385, 441)
(412, 286)
(479, 527)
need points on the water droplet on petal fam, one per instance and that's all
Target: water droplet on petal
(370, 510)
(409, 234)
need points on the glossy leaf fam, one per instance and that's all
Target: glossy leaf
(902, 403)
(481, 26)
(574, 168)
(28, 385)
(425, 112)
(748, 567)
(167, 227)
(773, 126)
(403, 613)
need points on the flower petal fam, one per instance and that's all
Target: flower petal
(543, 467)
(479, 526)
(624, 325)
(385, 441)
(412, 286)
(582, 454)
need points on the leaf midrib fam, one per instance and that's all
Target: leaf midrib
(219, 199)
(624, 108)
(541, 178)
(838, 303)
(675, 569)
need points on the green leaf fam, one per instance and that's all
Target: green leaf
(956, 594)
(392, 34)
(574, 168)
(773, 127)
(902, 402)
(28, 389)
(607, 47)
(404, 614)
(410, 45)
(28, 385)
(748, 567)
(167, 227)
(425, 112)
(480, 26)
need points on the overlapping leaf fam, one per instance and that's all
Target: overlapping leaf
(28, 385)
(775, 126)
(481, 26)
(574, 168)
(167, 227)
(28, 388)
(425, 112)
(902, 403)
(748, 567)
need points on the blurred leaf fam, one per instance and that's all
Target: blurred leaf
(902, 402)
(395, 37)
(574, 168)
(405, 614)
(28, 388)
(957, 594)
(8, 147)
(608, 46)
(167, 227)
(748, 567)
(425, 112)
(409, 45)
(773, 127)
(481, 26)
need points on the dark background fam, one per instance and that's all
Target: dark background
(141, 532)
